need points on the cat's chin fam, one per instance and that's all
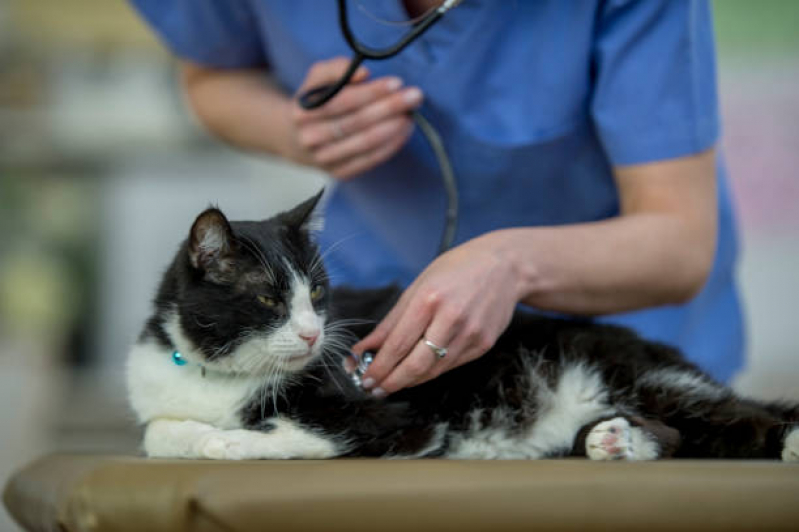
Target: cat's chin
(299, 361)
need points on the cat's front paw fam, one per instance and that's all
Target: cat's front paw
(616, 439)
(790, 449)
(225, 445)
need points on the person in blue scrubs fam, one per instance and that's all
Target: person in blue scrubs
(584, 139)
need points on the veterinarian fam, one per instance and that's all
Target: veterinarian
(584, 139)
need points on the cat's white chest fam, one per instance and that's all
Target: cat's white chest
(160, 389)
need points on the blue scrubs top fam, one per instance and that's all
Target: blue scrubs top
(535, 101)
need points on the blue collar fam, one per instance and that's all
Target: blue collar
(178, 359)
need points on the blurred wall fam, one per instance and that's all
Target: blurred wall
(758, 49)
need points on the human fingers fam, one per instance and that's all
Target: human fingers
(421, 364)
(329, 71)
(365, 150)
(351, 98)
(376, 338)
(369, 160)
(410, 327)
(459, 352)
(468, 341)
(361, 142)
(350, 364)
(326, 131)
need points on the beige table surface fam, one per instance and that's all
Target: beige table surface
(117, 493)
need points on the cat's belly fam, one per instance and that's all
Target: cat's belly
(578, 398)
(159, 389)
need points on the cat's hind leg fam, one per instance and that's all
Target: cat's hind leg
(713, 421)
(616, 439)
(626, 438)
(790, 448)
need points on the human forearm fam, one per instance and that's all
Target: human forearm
(658, 251)
(360, 128)
(243, 107)
(616, 265)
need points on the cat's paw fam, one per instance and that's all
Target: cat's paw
(609, 440)
(615, 439)
(225, 445)
(790, 449)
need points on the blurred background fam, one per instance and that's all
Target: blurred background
(102, 171)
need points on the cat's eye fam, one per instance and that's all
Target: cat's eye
(317, 292)
(268, 302)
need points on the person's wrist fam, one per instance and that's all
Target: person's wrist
(521, 273)
(288, 147)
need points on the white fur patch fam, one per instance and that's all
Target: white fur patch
(578, 398)
(189, 439)
(790, 449)
(304, 321)
(492, 442)
(157, 388)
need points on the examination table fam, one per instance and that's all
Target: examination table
(118, 493)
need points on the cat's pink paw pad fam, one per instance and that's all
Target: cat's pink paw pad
(790, 450)
(610, 440)
(616, 439)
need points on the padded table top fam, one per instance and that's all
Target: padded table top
(116, 493)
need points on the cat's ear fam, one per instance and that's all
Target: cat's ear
(211, 244)
(305, 216)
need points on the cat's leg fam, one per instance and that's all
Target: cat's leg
(735, 429)
(166, 438)
(790, 416)
(713, 422)
(626, 438)
(790, 448)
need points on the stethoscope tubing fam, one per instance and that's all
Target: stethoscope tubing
(318, 96)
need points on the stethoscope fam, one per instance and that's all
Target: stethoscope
(318, 96)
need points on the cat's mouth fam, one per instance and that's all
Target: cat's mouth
(301, 356)
(299, 360)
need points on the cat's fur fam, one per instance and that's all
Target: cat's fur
(265, 379)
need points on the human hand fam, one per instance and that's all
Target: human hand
(361, 127)
(462, 301)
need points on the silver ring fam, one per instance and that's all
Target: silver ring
(338, 131)
(440, 352)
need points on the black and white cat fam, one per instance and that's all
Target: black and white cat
(242, 359)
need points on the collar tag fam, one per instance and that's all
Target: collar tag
(178, 359)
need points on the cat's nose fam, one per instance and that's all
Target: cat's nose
(310, 337)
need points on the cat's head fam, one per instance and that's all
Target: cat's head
(250, 297)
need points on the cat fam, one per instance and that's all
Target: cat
(243, 359)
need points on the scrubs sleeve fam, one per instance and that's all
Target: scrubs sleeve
(215, 33)
(654, 94)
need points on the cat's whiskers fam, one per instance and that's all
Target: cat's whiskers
(350, 321)
(331, 375)
(319, 259)
(273, 386)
